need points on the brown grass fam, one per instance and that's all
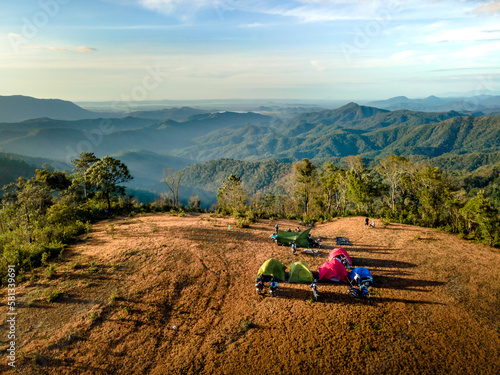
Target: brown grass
(435, 309)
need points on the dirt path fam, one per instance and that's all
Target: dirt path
(160, 294)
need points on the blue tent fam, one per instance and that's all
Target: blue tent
(361, 276)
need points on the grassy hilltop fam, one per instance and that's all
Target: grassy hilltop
(114, 299)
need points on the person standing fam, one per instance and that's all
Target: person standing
(276, 229)
(367, 221)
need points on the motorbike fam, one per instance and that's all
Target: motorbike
(314, 288)
(315, 243)
(362, 292)
(273, 287)
(259, 286)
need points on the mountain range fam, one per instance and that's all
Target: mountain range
(249, 143)
(479, 104)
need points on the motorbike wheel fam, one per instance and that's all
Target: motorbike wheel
(352, 293)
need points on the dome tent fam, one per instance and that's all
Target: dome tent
(272, 267)
(333, 270)
(337, 253)
(361, 275)
(300, 273)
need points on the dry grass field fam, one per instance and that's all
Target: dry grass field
(435, 306)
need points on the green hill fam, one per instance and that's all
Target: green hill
(256, 176)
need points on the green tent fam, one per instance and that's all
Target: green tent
(300, 273)
(300, 238)
(272, 267)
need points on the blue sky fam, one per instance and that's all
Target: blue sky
(111, 50)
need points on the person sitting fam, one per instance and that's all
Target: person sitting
(297, 230)
(373, 224)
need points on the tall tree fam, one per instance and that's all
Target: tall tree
(306, 181)
(394, 168)
(433, 188)
(329, 185)
(54, 180)
(483, 217)
(232, 197)
(87, 159)
(106, 174)
(173, 181)
(362, 188)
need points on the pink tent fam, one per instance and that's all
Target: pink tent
(333, 270)
(336, 253)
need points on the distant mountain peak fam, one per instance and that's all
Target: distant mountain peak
(17, 108)
(350, 105)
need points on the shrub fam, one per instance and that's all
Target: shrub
(50, 271)
(243, 222)
(54, 296)
(245, 325)
(95, 316)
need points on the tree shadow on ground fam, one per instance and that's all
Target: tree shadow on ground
(368, 249)
(381, 263)
(401, 283)
(289, 292)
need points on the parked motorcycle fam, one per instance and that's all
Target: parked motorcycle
(362, 292)
(273, 287)
(314, 288)
(259, 287)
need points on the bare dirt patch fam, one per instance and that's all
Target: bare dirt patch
(160, 294)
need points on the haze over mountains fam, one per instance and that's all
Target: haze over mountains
(482, 104)
(149, 141)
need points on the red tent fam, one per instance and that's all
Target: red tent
(337, 253)
(333, 270)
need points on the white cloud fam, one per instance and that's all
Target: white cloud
(404, 55)
(81, 49)
(85, 49)
(478, 50)
(466, 34)
(251, 25)
(328, 10)
(170, 6)
(317, 65)
(491, 7)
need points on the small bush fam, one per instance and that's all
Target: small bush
(77, 265)
(95, 316)
(93, 267)
(112, 298)
(50, 271)
(369, 348)
(45, 256)
(54, 296)
(243, 222)
(245, 325)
